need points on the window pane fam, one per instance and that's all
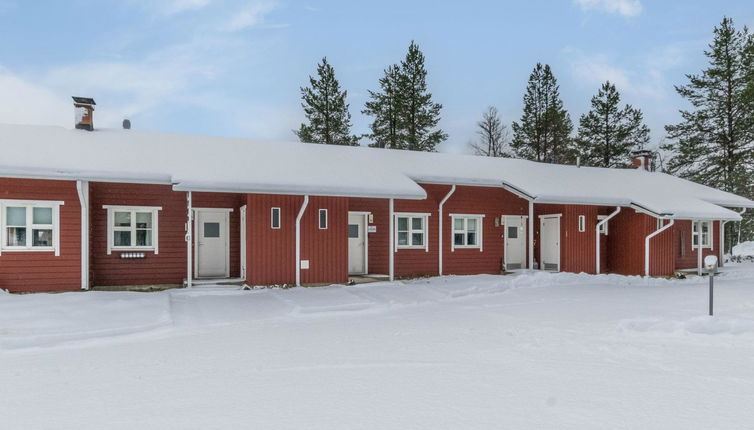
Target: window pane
(402, 224)
(458, 224)
(512, 232)
(417, 239)
(458, 238)
(15, 216)
(275, 217)
(16, 236)
(122, 238)
(417, 223)
(122, 219)
(471, 224)
(143, 237)
(41, 237)
(322, 219)
(402, 238)
(471, 238)
(696, 239)
(143, 220)
(211, 229)
(42, 216)
(353, 230)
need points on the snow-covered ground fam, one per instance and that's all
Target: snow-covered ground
(527, 351)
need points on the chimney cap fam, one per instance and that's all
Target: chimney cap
(84, 100)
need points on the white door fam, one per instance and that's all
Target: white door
(212, 244)
(549, 247)
(515, 242)
(357, 242)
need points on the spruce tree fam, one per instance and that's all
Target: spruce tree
(419, 114)
(714, 142)
(386, 107)
(326, 110)
(608, 133)
(493, 135)
(544, 133)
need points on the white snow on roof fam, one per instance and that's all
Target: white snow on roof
(200, 163)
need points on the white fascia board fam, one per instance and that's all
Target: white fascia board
(91, 176)
(419, 194)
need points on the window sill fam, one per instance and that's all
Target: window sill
(466, 247)
(422, 247)
(131, 249)
(39, 249)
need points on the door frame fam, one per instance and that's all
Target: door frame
(525, 224)
(365, 215)
(541, 219)
(242, 231)
(197, 212)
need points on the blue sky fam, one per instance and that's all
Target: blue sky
(234, 68)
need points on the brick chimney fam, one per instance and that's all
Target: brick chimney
(84, 110)
(643, 159)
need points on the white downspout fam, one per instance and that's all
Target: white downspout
(189, 241)
(646, 244)
(722, 241)
(531, 235)
(298, 239)
(83, 189)
(391, 240)
(439, 246)
(698, 248)
(597, 236)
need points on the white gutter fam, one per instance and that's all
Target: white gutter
(597, 236)
(83, 189)
(439, 246)
(189, 241)
(298, 239)
(646, 244)
(391, 240)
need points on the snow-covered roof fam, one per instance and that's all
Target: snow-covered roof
(200, 163)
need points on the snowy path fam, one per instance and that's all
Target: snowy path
(527, 351)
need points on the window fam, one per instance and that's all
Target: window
(323, 219)
(212, 229)
(132, 228)
(411, 231)
(29, 225)
(582, 223)
(603, 227)
(353, 231)
(275, 218)
(467, 231)
(706, 234)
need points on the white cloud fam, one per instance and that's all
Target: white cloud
(252, 15)
(171, 7)
(626, 8)
(26, 102)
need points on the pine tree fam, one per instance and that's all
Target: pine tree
(714, 142)
(386, 107)
(326, 110)
(493, 135)
(544, 133)
(420, 115)
(608, 133)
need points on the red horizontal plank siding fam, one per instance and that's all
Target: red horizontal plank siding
(418, 262)
(325, 249)
(685, 256)
(166, 267)
(43, 271)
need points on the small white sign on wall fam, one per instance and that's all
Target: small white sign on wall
(304, 264)
(371, 229)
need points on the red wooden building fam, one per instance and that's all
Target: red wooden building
(83, 208)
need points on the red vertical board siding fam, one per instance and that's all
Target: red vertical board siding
(168, 266)
(626, 242)
(226, 201)
(379, 241)
(43, 271)
(325, 249)
(492, 203)
(685, 256)
(271, 253)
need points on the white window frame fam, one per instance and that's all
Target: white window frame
(582, 223)
(480, 228)
(272, 218)
(603, 227)
(695, 235)
(319, 219)
(424, 230)
(30, 226)
(154, 210)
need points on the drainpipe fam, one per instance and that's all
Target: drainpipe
(189, 241)
(439, 246)
(646, 244)
(298, 239)
(698, 248)
(83, 189)
(531, 234)
(722, 241)
(597, 236)
(391, 240)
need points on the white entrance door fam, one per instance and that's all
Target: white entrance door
(357, 244)
(212, 244)
(549, 247)
(515, 242)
